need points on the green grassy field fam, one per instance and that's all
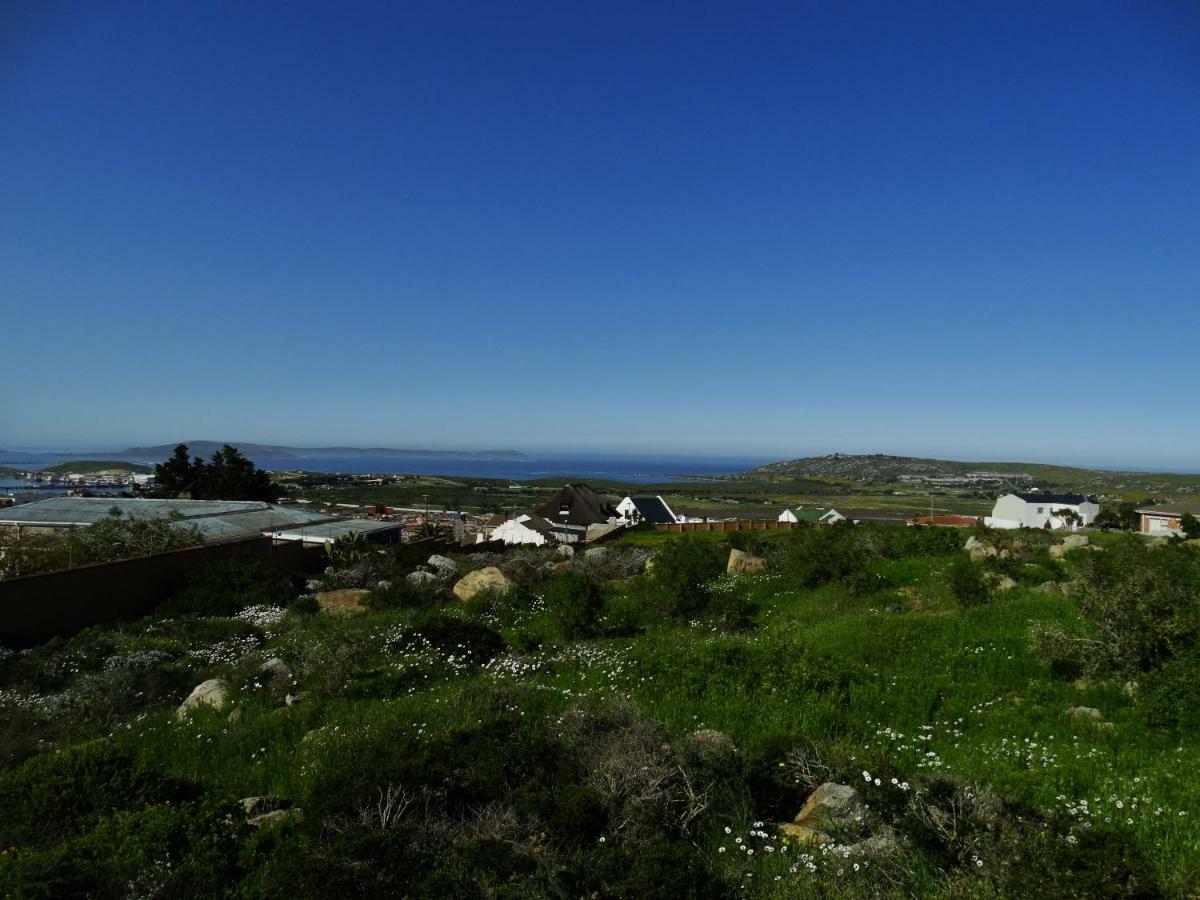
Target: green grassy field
(894, 682)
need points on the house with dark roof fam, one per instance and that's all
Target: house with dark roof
(577, 504)
(652, 510)
(1043, 509)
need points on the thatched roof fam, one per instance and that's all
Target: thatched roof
(576, 504)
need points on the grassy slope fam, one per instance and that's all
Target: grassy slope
(961, 689)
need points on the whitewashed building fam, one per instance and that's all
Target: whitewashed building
(811, 514)
(1038, 509)
(537, 531)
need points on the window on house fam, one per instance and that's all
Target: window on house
(1041, 509)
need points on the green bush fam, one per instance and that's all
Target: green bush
(1142, 601)
(573, 602)
(61, 794)
(683, 570)
(228, 586)
(1169, 697)
(967, 583)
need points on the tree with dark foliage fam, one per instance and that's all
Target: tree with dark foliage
(228, 476)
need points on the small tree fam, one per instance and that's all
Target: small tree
(966, 583)
(1190, 526)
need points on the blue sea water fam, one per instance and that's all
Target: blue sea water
(634, 469)
(610, 467)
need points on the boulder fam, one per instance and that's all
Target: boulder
(276, 670)
(972, 543)
(295, 815)
(1075, 540)
(831, 807)
(566, 551)
(256, 806)
(649, 563)
(213, 693)
(382, 585)
(999, 582)
(1057, 551)
(710, 740)
(444, 565)
(293, 699)
(563, 565)
(982, 552)
(489, 578)
(741, 562)
(1084, 713)
(421, 580)
(519, 571)
(596, 554)
(348, 601)
(313, 584)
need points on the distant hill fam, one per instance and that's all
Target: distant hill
(97, 466)
(879, 468)
(277, 451)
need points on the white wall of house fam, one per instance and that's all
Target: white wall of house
(514, 531)
(788, 516)
(1011, 511)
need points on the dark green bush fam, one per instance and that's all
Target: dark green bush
(1169, 697)
(967, 583)
(228, 586)
(573, 602)
(62, 794)
(683, 571)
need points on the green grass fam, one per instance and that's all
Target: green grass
(900, 681)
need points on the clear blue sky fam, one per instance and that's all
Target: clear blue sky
(958, 229)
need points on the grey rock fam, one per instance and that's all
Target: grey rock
(445, 566)
(256, 806)
(276, 669)
(421, 580)
(294, 698)
(566, 551)
(295, 815)
(213, 693)
(383, 585)
(595, 553)
(1075, 540)
(741, 562)
(1088, 713)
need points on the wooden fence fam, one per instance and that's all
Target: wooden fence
(735, 525)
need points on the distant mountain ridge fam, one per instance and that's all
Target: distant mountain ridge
(279, 451)
(881, 468)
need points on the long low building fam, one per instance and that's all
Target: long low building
(1165, 520)
(216, 519)
(322, 533)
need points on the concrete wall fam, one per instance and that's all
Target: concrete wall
(37, 607)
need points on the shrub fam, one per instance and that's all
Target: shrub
(682, 572)
(621, 616)
(967, 583)
(818, 556)
(1143, 604)
(1170, 696)
(573, 602)
(58, 795)
(225, 587)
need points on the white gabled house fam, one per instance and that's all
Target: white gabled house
(653, 510)
(537, 531)
(811, 514)
(1038, 509)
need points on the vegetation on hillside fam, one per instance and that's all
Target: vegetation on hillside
(1017, 723)
(112, 538)
(96, 466)
(227, 476)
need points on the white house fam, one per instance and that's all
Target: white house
(811, 514)
(634, 510)
(1038, 509)
(1165, 520)
(535, 530)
